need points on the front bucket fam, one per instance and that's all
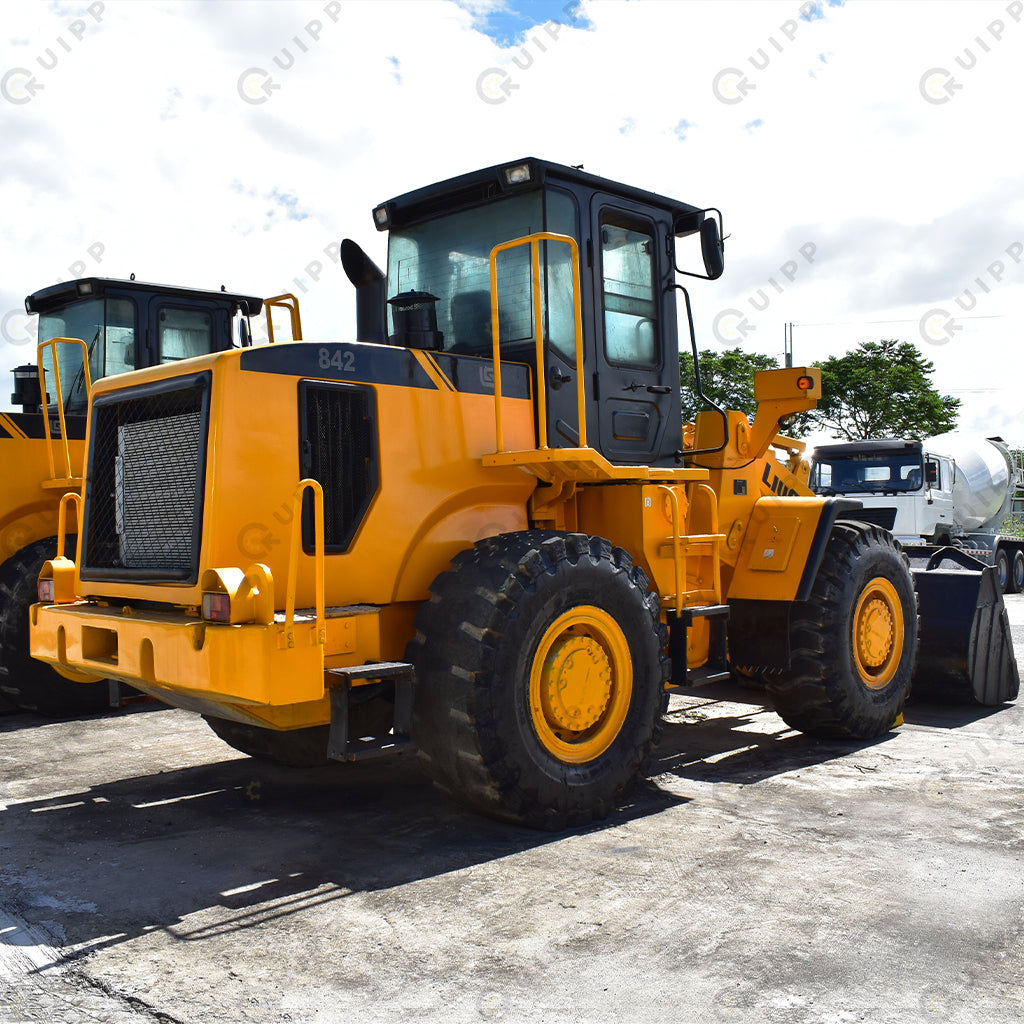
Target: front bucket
(966, 651)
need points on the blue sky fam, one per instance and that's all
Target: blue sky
(509, 24)
(866, 161)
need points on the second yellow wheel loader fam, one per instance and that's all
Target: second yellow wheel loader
(87, 329)
(481, 532)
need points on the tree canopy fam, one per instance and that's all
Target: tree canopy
(726, 376)
(882, 389)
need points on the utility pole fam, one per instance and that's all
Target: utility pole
(787, 343)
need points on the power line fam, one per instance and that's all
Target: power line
(858, 323)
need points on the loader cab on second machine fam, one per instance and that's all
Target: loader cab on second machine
(125, 325)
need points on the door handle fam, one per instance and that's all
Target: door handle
(659, 389)
(557, 379)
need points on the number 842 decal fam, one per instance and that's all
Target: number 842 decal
(341, 359)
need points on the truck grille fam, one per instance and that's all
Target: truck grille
(147, 462)
(338, 440)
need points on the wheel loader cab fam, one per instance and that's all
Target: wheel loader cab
(127, 325)
(439, 294)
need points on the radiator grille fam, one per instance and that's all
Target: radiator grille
(339, 442)
(147, 467)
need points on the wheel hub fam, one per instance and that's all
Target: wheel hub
(875, 632)
(581, 684)
(577, 683)
(877, 635)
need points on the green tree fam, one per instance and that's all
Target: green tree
(726, 377)
(882, 389)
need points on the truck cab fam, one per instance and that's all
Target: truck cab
(897, 475)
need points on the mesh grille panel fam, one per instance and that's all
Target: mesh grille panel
(339, 452)
(144, 505)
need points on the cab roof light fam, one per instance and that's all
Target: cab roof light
(382, 217)
(85, 287)
(517, 174)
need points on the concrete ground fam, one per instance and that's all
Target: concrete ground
(150, 873)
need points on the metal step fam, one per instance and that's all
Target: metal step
(699, 677)
(340, 746)
(716, 670)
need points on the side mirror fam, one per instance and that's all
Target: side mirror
(244, 336)
(712, 242)
(931, 473)
(712, 248)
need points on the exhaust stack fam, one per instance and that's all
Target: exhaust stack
(370, 284)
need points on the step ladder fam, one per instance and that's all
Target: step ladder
(341, 746)
(717, 668)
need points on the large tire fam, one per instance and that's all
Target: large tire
(28, 684)
(1002, 564)
(1017, 572)
(540, 669)
(853, 645)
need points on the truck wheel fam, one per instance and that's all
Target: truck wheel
(540, 669)
(297, 748)
(28, 684)
(854, 643)
(1017, 572)
(1002, 564)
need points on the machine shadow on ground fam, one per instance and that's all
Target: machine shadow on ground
(233, 844)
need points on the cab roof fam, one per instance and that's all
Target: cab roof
(58, 295)
(883, 446)
(527, 174)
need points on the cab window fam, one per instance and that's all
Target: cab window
(629, 295)
(107, 326)
(184, 333)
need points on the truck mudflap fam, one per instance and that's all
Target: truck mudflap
(966, 650)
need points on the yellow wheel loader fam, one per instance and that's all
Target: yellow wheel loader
(87, 329)
(477, 529)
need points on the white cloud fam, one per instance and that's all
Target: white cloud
(140, 140)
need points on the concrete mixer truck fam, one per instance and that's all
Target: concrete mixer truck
(951, 490)
(945, 500)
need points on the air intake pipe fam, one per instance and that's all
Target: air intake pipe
(370, 284)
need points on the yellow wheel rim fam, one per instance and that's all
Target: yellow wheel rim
(878, 633)
(581, 684)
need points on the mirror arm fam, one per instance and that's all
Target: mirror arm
(696, 374)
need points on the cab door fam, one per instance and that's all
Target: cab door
(636, 382)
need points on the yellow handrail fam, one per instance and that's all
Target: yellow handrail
(52, 345)
(318, 554)
(709, 493)
(288, 302)
(677, 555)
(713, 539)
(76, 497)
(534, 241)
